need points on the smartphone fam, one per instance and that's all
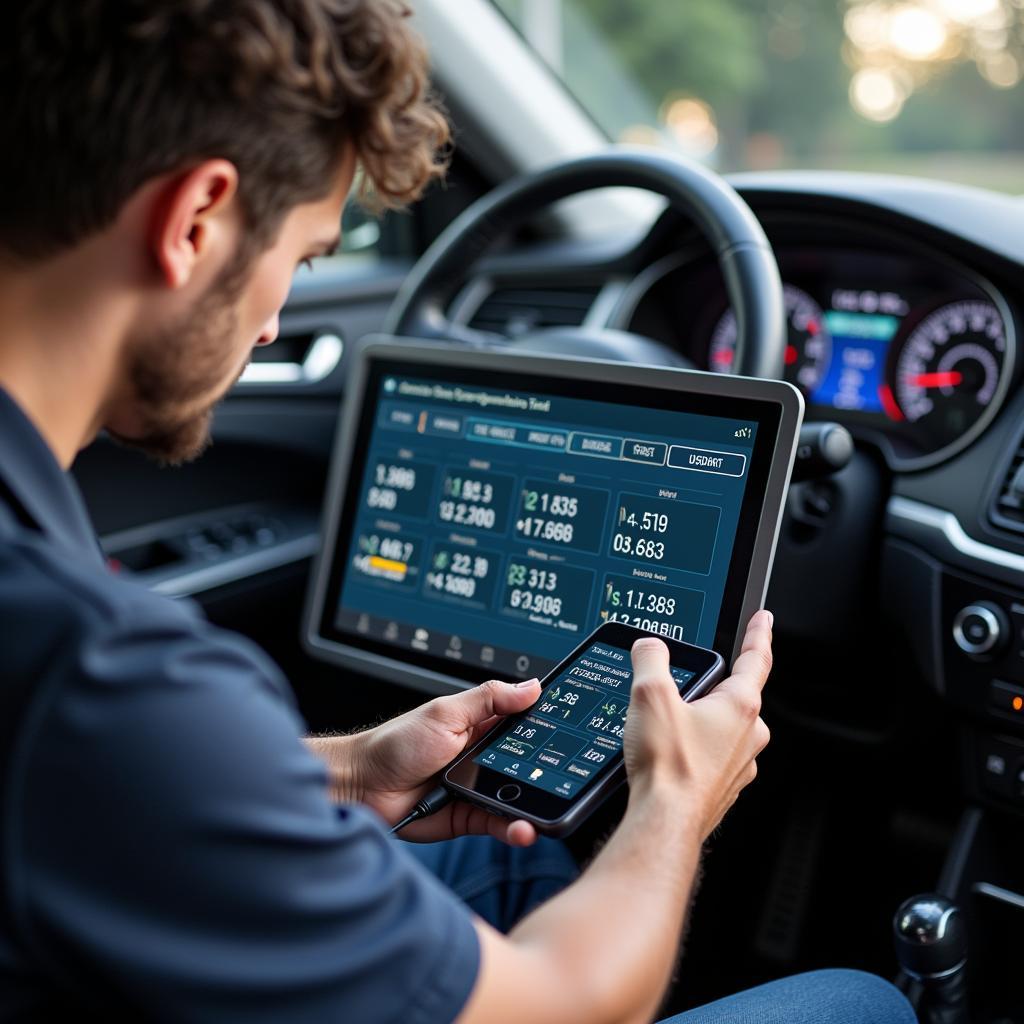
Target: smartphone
(554, 764)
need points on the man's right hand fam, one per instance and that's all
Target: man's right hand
(602, 950)
(704, 751)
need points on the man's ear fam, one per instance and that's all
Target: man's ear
(193, 220)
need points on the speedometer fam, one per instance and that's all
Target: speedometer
(808, 348)
(947, 373)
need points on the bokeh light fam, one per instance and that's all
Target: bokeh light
(876, 94)
(915, 32)
(691, 123)
(895, 47)
(865, 26)
(1001, 70)
(641, 135)
(967, 11)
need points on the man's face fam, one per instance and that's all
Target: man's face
(176, 374)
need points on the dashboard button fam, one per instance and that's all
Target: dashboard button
(508, 792)
(980, 628)
(999, 761)
(1007, 698)
(995, 772)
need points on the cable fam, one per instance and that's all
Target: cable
(430, 804)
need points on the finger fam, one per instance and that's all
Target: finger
(759, 630)
(464, 710)
(520, 833)
(650, 658)
(475, 821)
(755, 660)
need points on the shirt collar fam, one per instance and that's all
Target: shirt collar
(39, 492)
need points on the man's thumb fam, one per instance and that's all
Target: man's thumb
(497, 698)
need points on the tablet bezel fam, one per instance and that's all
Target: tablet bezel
(376, 658)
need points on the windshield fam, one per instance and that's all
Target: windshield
(925, 87)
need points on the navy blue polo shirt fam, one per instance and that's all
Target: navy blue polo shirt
(167, 846)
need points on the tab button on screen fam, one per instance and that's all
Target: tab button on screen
(651, 452)
(704, 460)
(444, 423)
(595, 444)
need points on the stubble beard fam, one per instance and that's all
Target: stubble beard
(169, 372)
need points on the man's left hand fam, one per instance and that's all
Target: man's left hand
(392, 766)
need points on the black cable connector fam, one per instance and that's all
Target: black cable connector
(434, 801)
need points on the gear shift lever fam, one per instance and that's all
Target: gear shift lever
(931, 945)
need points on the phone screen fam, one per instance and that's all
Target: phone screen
(573, 734)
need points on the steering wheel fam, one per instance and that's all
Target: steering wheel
(743, 252)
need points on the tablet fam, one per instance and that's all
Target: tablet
(485, 510)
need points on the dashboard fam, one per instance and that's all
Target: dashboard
(907, 349)
(904, 301)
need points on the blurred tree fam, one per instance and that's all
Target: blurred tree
(777, 76)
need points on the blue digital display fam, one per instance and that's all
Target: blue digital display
(496, 528)
(856, 373)
(573, 734)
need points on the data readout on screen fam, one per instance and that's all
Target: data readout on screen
(497, 528)
(574, 732)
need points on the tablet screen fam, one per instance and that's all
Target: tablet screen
(491, 521)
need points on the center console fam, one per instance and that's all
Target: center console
(969, 639)
(953, 576)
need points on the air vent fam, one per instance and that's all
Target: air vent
(516, 311)
(1008, 509)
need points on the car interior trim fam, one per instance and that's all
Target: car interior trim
(320, 361)
(941, 521)
(234, 570)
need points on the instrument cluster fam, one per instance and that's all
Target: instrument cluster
(912, 353)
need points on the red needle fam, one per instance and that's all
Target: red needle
(949, 379)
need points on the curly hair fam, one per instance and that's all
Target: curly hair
(101, 96)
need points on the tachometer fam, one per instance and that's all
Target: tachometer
(947, 372)
(809, 347)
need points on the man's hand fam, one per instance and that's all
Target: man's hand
(706, 750)
(602, 950)
(392, 766)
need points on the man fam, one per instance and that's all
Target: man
(169, 847)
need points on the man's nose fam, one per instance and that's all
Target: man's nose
(270, 331)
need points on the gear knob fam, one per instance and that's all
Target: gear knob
(931, 937)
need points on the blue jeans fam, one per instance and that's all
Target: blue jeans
(502, 883)
(819, 997)
(499, 883)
